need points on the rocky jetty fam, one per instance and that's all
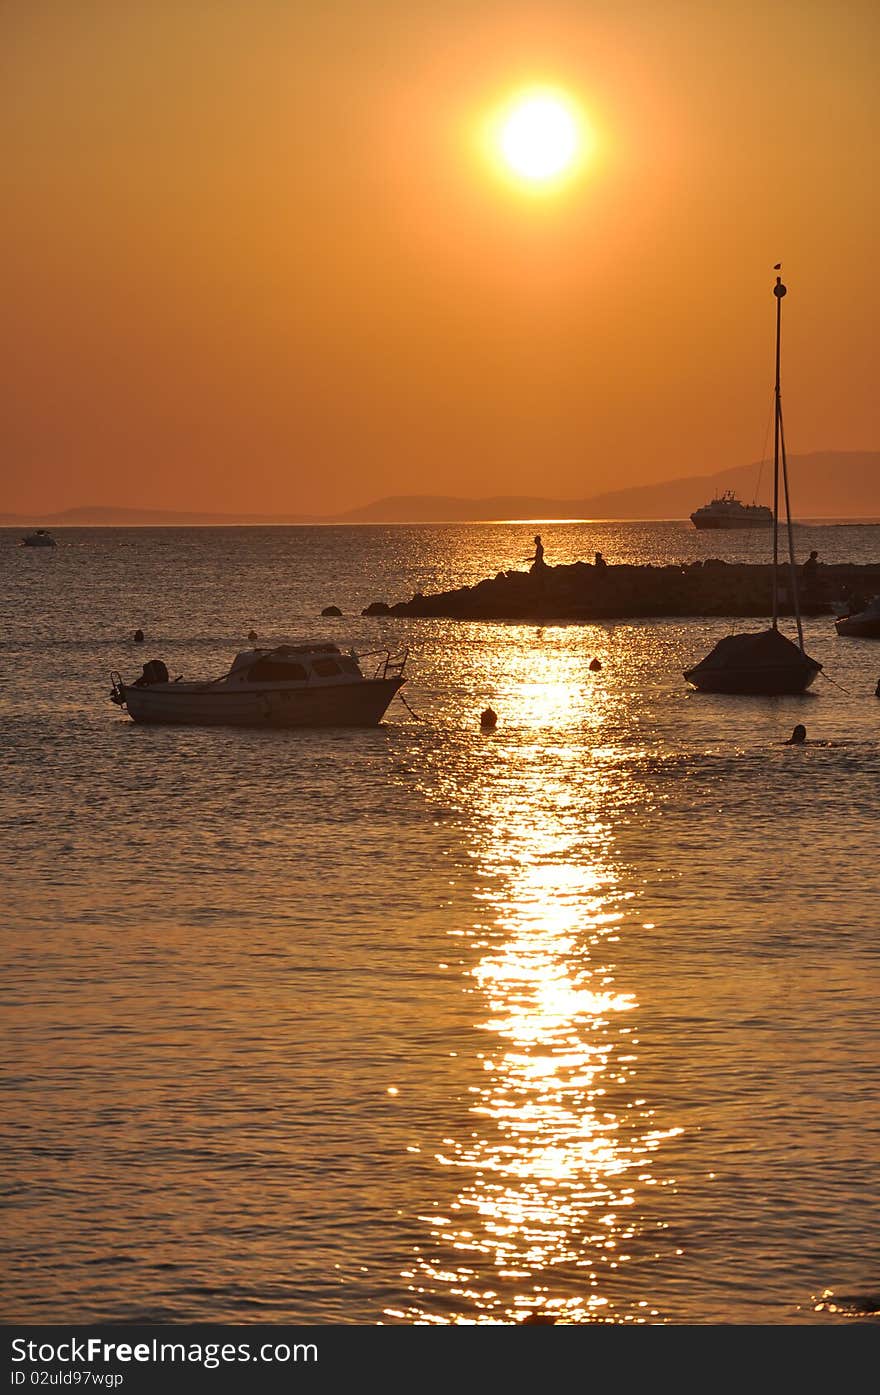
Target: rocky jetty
(583, 591)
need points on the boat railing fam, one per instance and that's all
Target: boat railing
(391, 664)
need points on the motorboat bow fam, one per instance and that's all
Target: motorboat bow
(864, 624)
(290, 685)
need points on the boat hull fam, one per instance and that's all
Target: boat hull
(754, 682)
(360, 704)
(730, 523)
(760, 663)
(851, 627)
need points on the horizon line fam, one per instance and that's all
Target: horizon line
(232, 521)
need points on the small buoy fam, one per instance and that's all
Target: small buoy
(595, 665)
(488, 718)
(138, 636)
(253, 636)
(798, 736)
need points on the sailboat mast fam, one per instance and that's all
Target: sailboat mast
(792, 563)
(779, 292)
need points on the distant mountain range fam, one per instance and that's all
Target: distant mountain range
(105, 515)
(825, 484)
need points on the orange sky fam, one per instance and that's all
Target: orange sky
(254, 259)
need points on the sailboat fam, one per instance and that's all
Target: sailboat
(764, 661)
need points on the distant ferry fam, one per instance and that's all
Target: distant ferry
(726, 511)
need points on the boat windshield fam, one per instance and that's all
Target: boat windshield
(273, 670)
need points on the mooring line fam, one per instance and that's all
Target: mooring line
(409, 709)
(829, 679)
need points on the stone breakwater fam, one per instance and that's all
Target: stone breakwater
(583, 591)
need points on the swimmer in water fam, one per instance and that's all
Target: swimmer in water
(798, 736)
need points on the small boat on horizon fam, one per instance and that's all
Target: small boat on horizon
(863, 624)
(289, 685)
(39, 538)
(764, 663)
(727, 511)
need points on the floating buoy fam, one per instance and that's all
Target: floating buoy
(138, 636)
(595, 665)
(488, 718)
(798, 736)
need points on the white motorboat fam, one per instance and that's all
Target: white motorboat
(39, 538)
(290, 685)
(861, 624)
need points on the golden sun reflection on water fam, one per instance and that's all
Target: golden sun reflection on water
(544, 1211)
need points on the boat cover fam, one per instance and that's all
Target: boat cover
(760, 649)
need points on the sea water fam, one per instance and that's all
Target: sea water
(428, 1024)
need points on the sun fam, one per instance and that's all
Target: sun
(540, 137)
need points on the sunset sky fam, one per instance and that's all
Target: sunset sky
(266, 256)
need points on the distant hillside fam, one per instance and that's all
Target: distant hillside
(826, 484)
(443, 508)
(105, 515)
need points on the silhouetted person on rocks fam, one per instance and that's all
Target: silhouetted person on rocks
(810, 575)
(599, 562)
(538, 569)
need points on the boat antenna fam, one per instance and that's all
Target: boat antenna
(779, 292)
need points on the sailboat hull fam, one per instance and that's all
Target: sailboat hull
(761, 664)
(754, 682)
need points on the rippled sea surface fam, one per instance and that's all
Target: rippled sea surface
(423, 1024)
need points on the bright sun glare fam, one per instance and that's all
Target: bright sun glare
(540, 137)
